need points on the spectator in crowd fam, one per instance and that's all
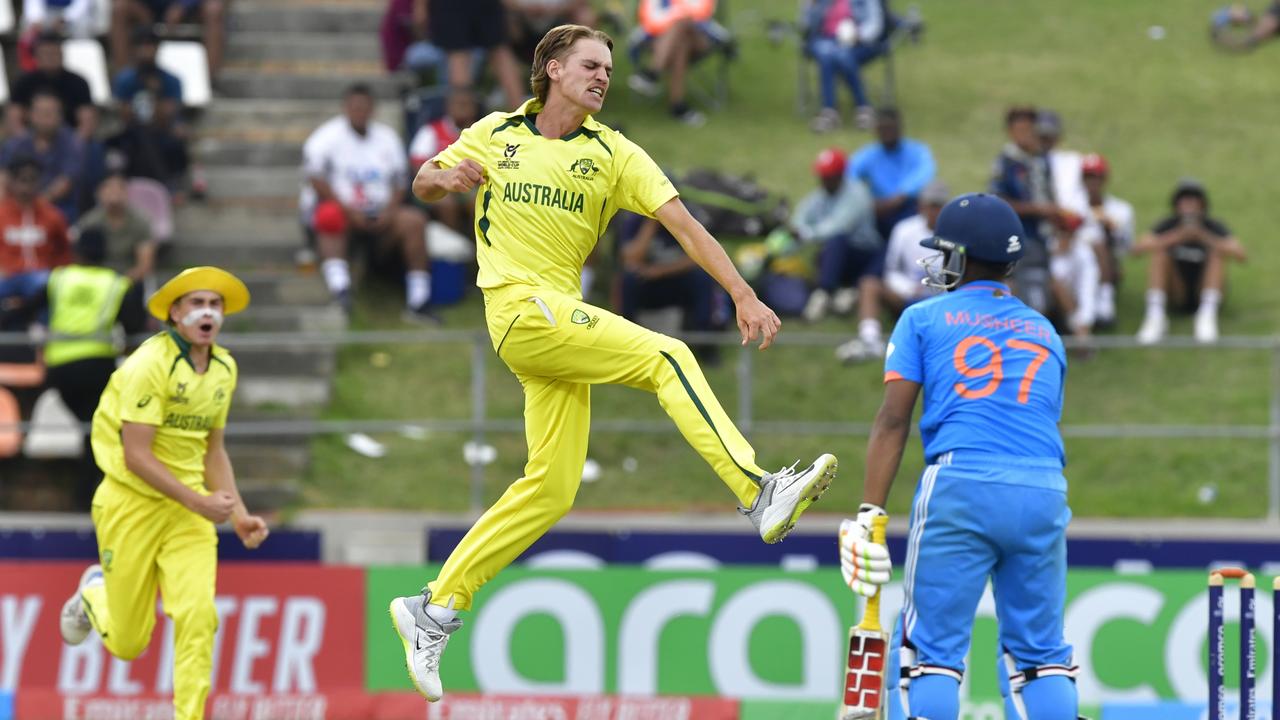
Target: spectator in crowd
(1108, 229)
(84, 301)
(130, 245)
(895, 168)
(903, 281)
(842, 36)
(56, 149)
(356, 176)
(149, 101)
(455, 210)
(1021, 177)
(676, 36)
(1189, 250)
(1260, 28)
(1064, 165)
(462, 28)
(657, 273)
(839, 217)
(130, 16)
(1073, 265)
(50, 75)
(531, 19)
(33, 234)
(405, 42)
(59, 18)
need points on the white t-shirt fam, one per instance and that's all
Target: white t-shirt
(363, 170)
(902, 272)
(1068, 184)
(1120, 213)
(430, 139)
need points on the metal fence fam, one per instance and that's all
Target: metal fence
(480, 424)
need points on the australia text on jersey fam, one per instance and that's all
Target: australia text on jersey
(991, 322)
(543, 195)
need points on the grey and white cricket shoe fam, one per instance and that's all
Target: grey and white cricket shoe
(424, 641)
(786, 494)
(74, 620)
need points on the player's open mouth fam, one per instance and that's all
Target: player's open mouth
(597, 91)
(205, 327)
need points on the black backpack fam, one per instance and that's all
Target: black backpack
(731, 205)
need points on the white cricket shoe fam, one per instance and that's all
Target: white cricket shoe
(816, 307)
(843, 300)
(1154, 326)
(786, 494)
(74, 620)
(1206, 327)
(858, 350)
(424, 641)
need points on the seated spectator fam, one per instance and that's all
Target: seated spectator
(895, 168)
(130, 16)
(1021, 177)
(839, 217)
(1259, 29)
(51, 76)
(676, 37)
(461, 28)
(529, 20)
(1108, 230)
(56, 149)
(33, 234)
(404, 40)
(903, 281)
(149, 101)
(130, 247)
(656, 273)
(1189, 250)
(842, 36)
(70, 18)
(84, 302)
(1064, 165)
(356, 179)
(456, 210)
(1074, 268)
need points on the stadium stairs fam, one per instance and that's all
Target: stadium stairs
(288, 62)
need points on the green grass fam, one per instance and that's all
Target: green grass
(1157, 109)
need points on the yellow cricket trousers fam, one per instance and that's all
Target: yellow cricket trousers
(558, 347)
(145, 543)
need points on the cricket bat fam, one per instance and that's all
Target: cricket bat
(864, 686)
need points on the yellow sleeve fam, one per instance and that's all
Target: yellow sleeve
(142, 390)
(641, 186)
(470, 143)
(220, 421)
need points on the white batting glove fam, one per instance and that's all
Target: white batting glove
(865, 564)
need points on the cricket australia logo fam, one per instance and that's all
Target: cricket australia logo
(584, 169)
(219, 396)
(180, 396)
(508, 161)
(581, 318)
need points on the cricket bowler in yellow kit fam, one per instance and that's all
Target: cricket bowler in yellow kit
(158, 439)
(549, 178)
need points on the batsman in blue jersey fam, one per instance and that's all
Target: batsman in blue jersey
(992, 503)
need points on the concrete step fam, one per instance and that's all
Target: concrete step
(252, 148)
(257, 46)
(292, 391)
(232, 256)
(271, 180)
(308, 17)
(268, 215)
(273, 112)
(286, 289)
(316, 85)
(253, 461)
(287, 318)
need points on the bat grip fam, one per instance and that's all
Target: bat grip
(871, 614)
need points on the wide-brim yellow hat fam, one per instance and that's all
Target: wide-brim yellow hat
(235, 296)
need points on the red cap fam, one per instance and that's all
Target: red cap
(1094, 164)
(329, 219)
(830, 163)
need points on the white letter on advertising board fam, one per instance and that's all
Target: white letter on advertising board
(118, 680)
(1085, 618)
(249, 646)
(821, 638)
(301, 631)
(579, 619)
(17, 621)
(80, 667)
(641, 632)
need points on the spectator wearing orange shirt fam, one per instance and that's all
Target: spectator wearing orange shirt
(676, 30)
(33, 234)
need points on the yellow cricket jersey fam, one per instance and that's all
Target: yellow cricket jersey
(158, 385)
(546, 201)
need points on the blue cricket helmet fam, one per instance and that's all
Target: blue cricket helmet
(973, 225)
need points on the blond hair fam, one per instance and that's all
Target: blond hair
(555, 45)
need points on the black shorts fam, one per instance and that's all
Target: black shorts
(467, 24)
(1192, 276)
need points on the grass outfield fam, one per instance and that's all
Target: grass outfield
(1157, 109)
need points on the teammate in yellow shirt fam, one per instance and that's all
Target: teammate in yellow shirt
(549, 178)
(158, 438)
